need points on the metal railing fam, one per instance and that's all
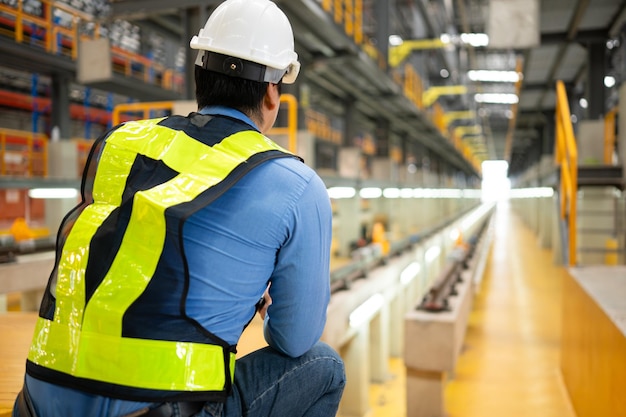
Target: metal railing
(350, 14)
(129, 111)
(58, 39)
(365, 259)
(319, 125)
(23, 153)
(436, 300)
(609, 136)
(566, 156)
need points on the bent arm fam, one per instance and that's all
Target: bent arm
(300, 283)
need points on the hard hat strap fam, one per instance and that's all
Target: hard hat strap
(237, 67)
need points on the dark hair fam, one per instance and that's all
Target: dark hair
(215, 89)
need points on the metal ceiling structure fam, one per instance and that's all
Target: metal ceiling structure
(570, 33)
(575, 38)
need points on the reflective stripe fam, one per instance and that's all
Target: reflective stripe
(85, 341)
(150, 364)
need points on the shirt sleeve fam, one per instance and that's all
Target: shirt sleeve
(300, 283)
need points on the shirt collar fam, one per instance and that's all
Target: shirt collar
(229, 112)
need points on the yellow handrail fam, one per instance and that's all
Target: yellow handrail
(609, 136)
(319, 125)
(144, 108)
(566, 156)
(23, 153)
(291, 130)
(348, 12)
(413, 86)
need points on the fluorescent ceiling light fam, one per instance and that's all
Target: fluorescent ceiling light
(391, 193)
(370, 192)
(497, 98)
(475, 39)
(532, 192)
(395, 40)
(450, 193)
(609, 81)
(494, 76)
(406, 193)
(445, 38)
(53, 193)
(341, 192)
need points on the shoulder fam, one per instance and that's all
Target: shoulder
(283, 185)
(292, 173)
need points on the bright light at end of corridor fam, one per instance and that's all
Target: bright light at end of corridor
(496, 185)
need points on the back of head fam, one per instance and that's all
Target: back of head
(249, 39)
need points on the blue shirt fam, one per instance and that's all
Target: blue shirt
(273, 226)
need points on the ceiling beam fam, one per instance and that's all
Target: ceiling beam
(574, 23)
(583, 37)
(141, 9)
(618, 19)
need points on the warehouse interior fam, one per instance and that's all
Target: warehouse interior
(398, 106)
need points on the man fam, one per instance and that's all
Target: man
(184, 225)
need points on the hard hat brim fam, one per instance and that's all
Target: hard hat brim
(241, 68)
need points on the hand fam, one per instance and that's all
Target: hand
(264, 303)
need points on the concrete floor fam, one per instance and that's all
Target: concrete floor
(510, 360)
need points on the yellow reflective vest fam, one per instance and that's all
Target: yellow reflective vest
(140, 184)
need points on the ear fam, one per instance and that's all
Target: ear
(272, 97)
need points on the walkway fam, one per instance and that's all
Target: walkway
(510, 361)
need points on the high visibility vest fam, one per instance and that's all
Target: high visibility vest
(112, 321)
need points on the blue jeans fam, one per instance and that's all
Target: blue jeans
(269, 384)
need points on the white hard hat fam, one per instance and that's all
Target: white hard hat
(249, 39)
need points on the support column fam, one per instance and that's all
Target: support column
(557, 240)
(62, 154)
(60, 107)
(383, 168)
(597, 69)
(396, 310)
(193, 19)
(382, 138)
(548, 133)
(621, 129)
(349, 128)
(382, 28)
(349, 162)
(379, 346)
(349, 224)
(355, 353)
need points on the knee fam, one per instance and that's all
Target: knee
(332, 363)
